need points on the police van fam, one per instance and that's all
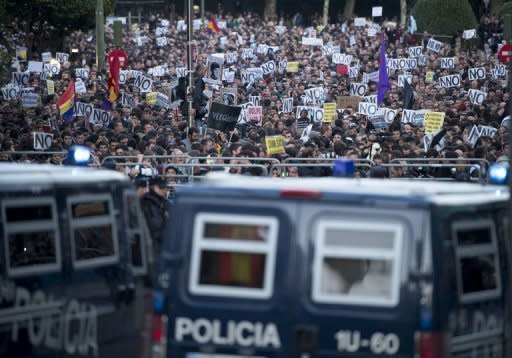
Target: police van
(71, 254)
(266, 267)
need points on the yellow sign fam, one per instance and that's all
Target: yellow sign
(275, 144)
(329, 111)
(151, 97)
(21, 53)
(429, 76)
(50, 86)
(433, 121)
(292, 67)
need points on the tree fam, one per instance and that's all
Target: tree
(326, 12)
(348, 11)
(270, 12)
(438, 16)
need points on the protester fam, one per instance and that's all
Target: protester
(306, 75)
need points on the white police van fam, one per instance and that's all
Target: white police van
(72, 249)
(266, 267)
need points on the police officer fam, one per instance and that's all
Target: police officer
(156, 209)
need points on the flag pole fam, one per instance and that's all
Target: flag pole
(190, 32)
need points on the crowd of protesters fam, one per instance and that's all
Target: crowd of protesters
(138, 134)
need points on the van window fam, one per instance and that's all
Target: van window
(478, 273)
(233, 255)
(32, 236)
(357, 262)
(134, 233)
(93, 230)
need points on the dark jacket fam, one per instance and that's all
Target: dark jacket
(156, 212)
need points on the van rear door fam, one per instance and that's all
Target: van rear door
(477, 309)
(230, 295)
(355, 300)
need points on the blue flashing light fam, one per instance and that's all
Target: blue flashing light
(78, 155)
(499, 173)
(158, 301)
(343, 168)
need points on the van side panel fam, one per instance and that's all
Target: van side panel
(85, 306)
(473, 272)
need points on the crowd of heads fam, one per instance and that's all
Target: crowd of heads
(151, 139)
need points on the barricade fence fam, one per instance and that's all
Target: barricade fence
(189, 169)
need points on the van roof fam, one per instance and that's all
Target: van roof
(441, 193)
(21, 174)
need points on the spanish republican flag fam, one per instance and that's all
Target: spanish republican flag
(113, 80)
(66, 102)
(212, 24)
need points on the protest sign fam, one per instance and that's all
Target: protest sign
(329, 111)
(370, 99)
(50, 87)
(123, 76)
(21, 53)
(352, 40)
(477, 73)
(53, 68)
(268, 68)
(255, 114)
(402, 63)
(100, 118)
(415, 51)
(247, 53)
(255, 100)
(358, 89)
(433, 121)
(348, 101)
(46, 57)
(429, 76)
(341, 59)
(127, 100)
(403, 78)
(314, 95)
(228, 75)
(20, 79)
(29, 100)
(292, 67)
(376, 11)
(450, 81)
(161, 41)
(353, 72)
(151, 98)
(316, 114)
(469, 34)
(42, 140)
(262, 49)
(62, 57)
(80, 86)
(275, 144)
(229, 96)
(223, 117)
(414, 117)
(83, 109)
(368, 109)
(10, 92)
(447, 62)
(434, 45)
(359, 21)
(372, 76)
(476, 97)
(312, 41)
(35, 66)
(287, 105)
(231, 58)
(143, 83)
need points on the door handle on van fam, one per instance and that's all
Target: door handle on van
(125, 294)
(172, 259)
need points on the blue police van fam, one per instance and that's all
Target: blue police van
(72, 257)
(266, 267)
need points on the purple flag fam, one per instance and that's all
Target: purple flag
(383, 74)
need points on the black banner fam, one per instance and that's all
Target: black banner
(223, 117)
